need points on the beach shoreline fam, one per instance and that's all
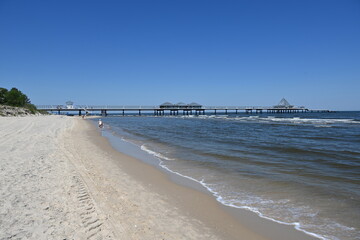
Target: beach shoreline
(86, 188)
(228, 222)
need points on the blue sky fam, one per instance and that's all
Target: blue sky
(212, 52)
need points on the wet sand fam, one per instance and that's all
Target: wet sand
(62, 179)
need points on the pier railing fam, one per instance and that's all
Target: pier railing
(93, 107)
(120, 107)
(161, 110)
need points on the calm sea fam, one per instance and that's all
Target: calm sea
(300, 169)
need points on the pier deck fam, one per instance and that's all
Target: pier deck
(159, 111)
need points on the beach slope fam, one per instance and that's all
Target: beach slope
(57, 185)
(42, 196)
(60, 179)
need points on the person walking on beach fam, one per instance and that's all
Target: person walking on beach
(101, 124)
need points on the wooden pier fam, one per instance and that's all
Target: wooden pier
(161, 111)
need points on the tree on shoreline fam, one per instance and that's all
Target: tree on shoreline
(3, 92)
(16, 98)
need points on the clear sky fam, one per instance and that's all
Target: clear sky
(243, 52)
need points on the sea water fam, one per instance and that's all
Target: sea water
(300, 169)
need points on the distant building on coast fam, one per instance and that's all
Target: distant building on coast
(284, 104)
(70, 105)
(180, 105)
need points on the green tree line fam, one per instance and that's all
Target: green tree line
(16, 98)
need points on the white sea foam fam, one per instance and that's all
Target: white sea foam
(294, 120)
(220, 199)
(158, 155)
(233, 204)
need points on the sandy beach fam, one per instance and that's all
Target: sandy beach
(60, 179)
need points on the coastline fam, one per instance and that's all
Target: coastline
(194, 199)
(85, 189)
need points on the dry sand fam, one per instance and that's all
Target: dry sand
(61, 180)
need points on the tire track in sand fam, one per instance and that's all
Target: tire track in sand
(88, 211)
